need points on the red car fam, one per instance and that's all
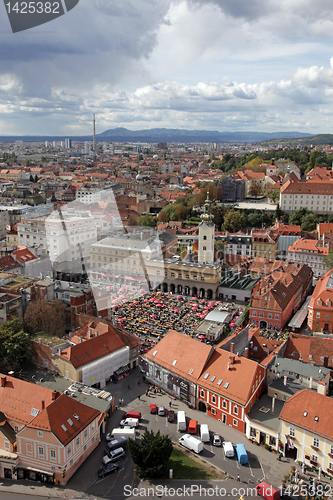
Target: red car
(153, 409)
(171, 416)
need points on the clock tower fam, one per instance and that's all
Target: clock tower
(206, 235)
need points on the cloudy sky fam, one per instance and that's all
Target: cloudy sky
(259, 65)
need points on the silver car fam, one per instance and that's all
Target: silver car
(217, 440)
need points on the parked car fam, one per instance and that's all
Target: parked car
(161, 411)
(107, 469)
(217, 440)
(129, 422)
(114, 455)
(171, 416)
(153, 409)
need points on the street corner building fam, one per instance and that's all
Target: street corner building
(44, 436)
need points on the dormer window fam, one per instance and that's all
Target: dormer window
(328, 303)
(319, 302)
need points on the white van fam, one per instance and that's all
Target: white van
(204, 433)
(129, 422)
(125, 432)
(191, 443)
(228, 449)
(181, 421)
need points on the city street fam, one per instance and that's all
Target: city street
(262, 464)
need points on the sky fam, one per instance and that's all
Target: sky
(227, 65)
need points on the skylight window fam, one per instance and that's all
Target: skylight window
(220, 382)
(64, 427)
(305, 414)
(34, 412)
(70, 421)
(316, 419)
(174, 362)
(213, 378)
(206, 376)
(191, 371)
(226, 385)
(154, 353)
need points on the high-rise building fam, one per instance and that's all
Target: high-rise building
(68, 143)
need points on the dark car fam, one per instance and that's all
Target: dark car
(107, 469)
(153, 408)
(171, 416)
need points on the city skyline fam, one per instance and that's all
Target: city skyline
(213, 65)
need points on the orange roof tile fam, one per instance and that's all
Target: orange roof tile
(61, 412)
(302, 409)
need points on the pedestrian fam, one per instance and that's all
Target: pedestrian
(116, 407)
(128, 387)
(139, 397)
(170, 403)
(238, 478)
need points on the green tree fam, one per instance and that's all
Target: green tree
(27, 162)
(309, 222)
(147, 220)
(273, 195)
(328, 261)
(234, 220)
(151, 455)
(36, 178)
(255, 219)
(15, 344)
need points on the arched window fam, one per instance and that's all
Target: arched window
(205, 237)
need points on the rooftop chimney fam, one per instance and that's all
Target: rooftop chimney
(232, 359)
(80, 338)
(232, 347)
(3, 381)
(325, 361)
(246, 353)
(43, 404)
(54, 395)
(285, 380)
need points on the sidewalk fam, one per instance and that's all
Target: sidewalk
(39, 490)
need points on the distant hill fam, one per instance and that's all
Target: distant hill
(185, 136)
(310, 140)
(156, 135)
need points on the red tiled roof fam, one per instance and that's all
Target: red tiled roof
(61, 412)
(302, 409)
(181, 354)
(94, 348)
(237, 378)
(18, 399)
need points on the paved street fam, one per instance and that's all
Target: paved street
(85, 482)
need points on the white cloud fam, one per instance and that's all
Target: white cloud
(215, 64)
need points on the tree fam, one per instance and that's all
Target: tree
(255, 219)
(255, 189)
(309, 222)
(151, 455)
(36, 178)
(147, 220)
(181, 212)
(27, 162)
(46, 315)
(328, 261)
(163, 216)
(273, 195)
(15, 344)
(234, 220)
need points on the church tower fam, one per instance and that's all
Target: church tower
(206, 235)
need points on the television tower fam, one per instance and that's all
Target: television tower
(94, 141)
